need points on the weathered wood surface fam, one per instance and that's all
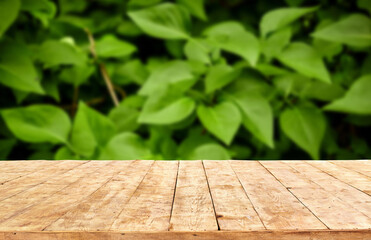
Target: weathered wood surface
(283, 200)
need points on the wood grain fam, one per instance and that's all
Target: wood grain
(332, 211)
(88, 200)
(40, 216)
(348, 176)
(18, 203)
(276, 206)
(150, 206)
(233, 209)
(193, 208)
(99, 210)
(357, 199)
(18, 185)
(209, 235)
(361, 166)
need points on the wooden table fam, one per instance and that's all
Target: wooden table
(46, 200)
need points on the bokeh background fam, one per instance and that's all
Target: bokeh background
(185, 79)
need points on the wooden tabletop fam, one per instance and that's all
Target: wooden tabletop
(185, 200)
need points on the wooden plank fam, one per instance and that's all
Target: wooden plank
(150, 206)
(42, 215)
(18, 203)
(361, 166)
(192, 208)
(99, 210)
(350, 177)
(12, 170)
(358, 199)
(276, 206)
(21, 184)
(233, 209)
(332, 211)
(212, 235)
(24, 166)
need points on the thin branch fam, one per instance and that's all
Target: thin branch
(102, 69)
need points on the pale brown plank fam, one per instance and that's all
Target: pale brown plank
(12, 170)
(277, 207)
(350, 177)
(41, 215)
(332, 211)
(35, 195)
(150, 206)
(356, 198)
(233, 209)
(192, 208)
(209, 235)
(361, 166)
(99, 210)
(18, 185)
(24, 166)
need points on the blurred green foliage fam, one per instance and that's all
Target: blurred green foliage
(189, 79)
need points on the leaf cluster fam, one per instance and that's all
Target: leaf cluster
(196, 79)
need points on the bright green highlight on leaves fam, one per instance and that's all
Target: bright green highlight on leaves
(354, 30)
(222, 120)
(38, 123)
(357, 100)
(8, 13)
(167, 21)
(305, 125)
(279, 18)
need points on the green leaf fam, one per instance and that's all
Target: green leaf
(272, 46)
(355, 30)
(166, 108)
(131, 72)
(222, 120)
(364, 4)
(175, 48)
(90, 129)
(125, 118)
(128, 28)
(64, 153)
(142, 3)
(197, 50)
(305, 60)
(220, 76)
(38, 123)
(77, 74)
(211, 151)
(195, 7)
(51, 89)
(6, 146)
(175, 73)
(279, 18)
(53, 53)
(44, 10)
(8, 13)
(17, 70)
(357, 99)
(161, 143)
(110, 46)
(232, 37)
(166, 21)
(72, 5)
(257, 115)
(304, 125)
(271, 70)
(304, 87)
(125, 146)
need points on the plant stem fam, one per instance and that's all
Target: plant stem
(102, 69)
